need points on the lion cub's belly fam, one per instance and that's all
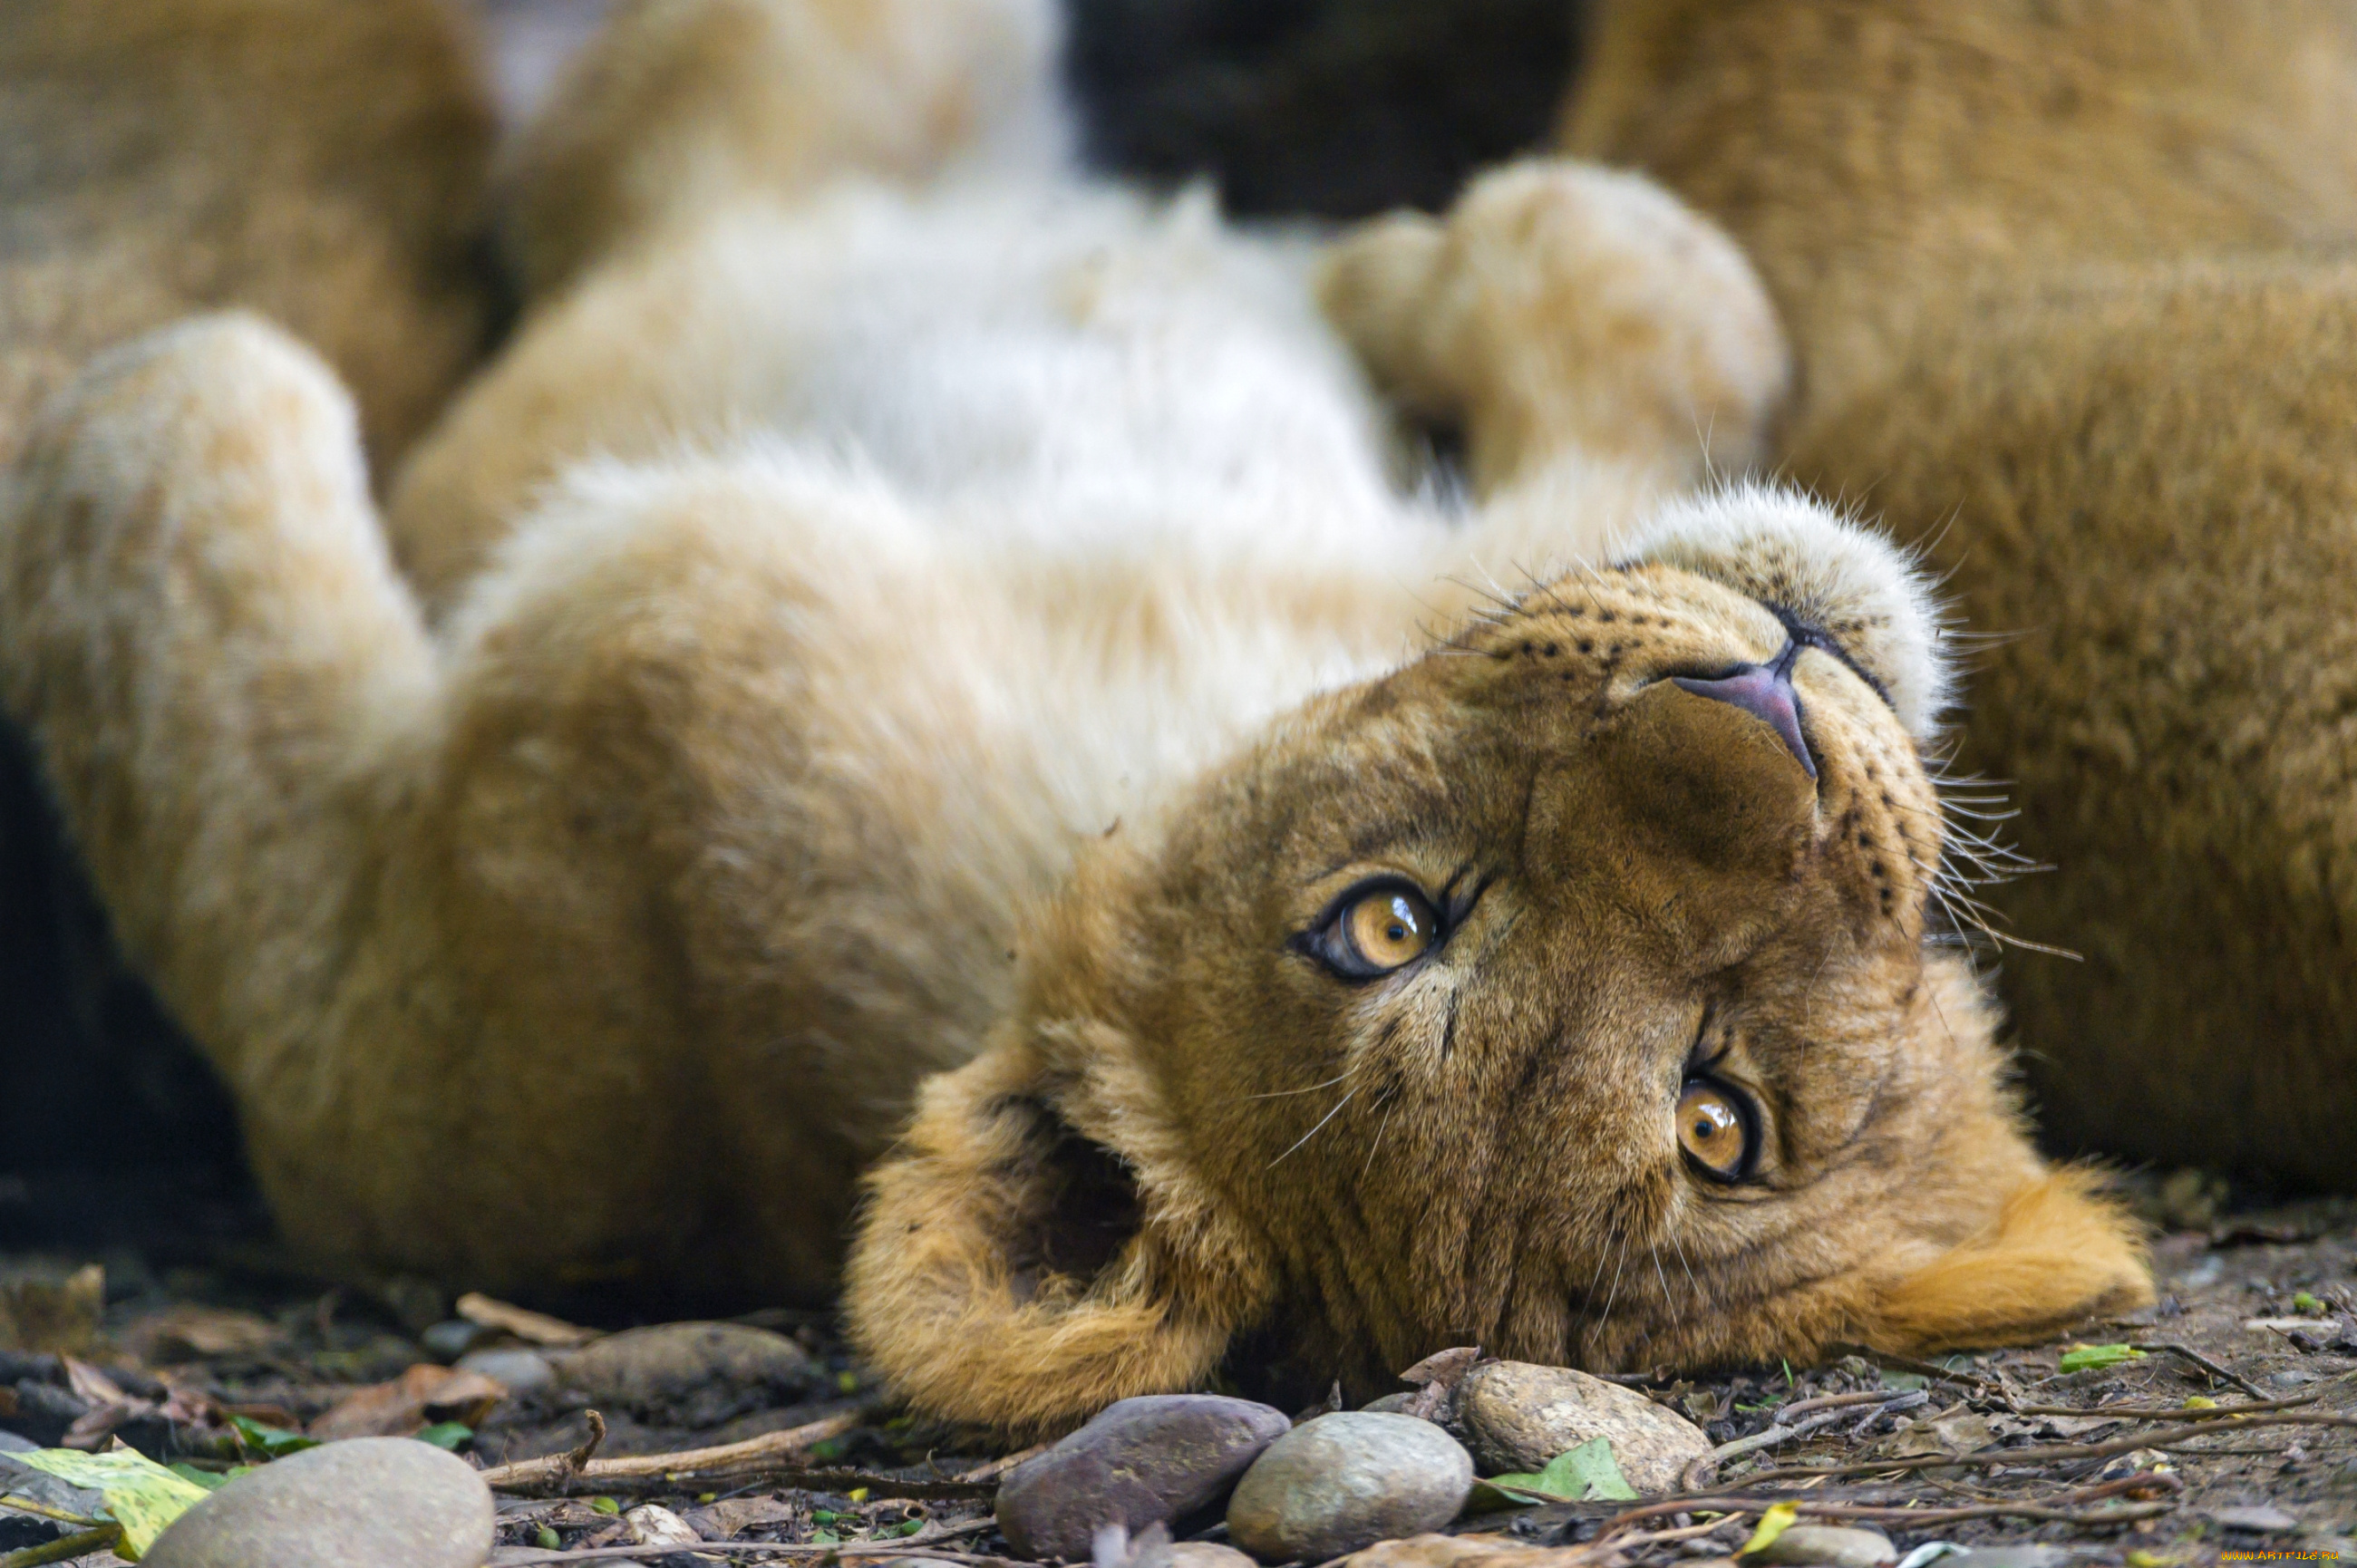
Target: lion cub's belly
(1065, 365)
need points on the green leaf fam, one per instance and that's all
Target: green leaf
(1575, 1475)
(142, 1496)
(604, 1505)
(1773, 1523)
(910, 1527)
(548, 1540)
(210, 1480)
(270, 1442)
(825, 1537)
(2083, 1357)
(2309, 1305)
(452, 1435)
(1905, 1382)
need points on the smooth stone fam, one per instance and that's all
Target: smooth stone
(2264, 1519)
(1516, 1417)
(1346, 1481)
(368, 1502)
(448, 1341)
(1393, 1404)
(1142, 1462)
(1208, 1554)
(1829, 1546)
(2029, 1556)
(519, 1372)
(696, 1374)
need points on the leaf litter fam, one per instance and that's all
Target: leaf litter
(2224, 1421)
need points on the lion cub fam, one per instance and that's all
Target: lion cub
(906, 627)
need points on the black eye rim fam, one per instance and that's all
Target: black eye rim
(1747, 1114)
(1328, 939)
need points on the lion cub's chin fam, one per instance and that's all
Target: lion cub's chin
(1569, 991)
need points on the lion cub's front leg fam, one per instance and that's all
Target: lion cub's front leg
(1566, 309)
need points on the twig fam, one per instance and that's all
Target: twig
(2211, 1366)
(1698, 1472)
(901, 1547)
(2160, 1439)
(2056, 1507)
(1831, 1401)
(2167, 1413)
(562, 1470)
(997, 1467)
(64, 1549)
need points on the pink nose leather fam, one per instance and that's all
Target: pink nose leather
(1765, 691)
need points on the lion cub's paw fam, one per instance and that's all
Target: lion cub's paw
(1565, 306)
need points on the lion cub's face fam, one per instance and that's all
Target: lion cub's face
(1566, 991)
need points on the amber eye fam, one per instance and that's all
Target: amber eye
(1714, 1131)
(1374, 930)
(1389, 928)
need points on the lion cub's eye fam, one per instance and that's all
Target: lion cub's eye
(1715, 1130)
(1374, 931)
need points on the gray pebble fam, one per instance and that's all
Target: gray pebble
(370, 1502)
(1829, 1546)
(519, 1372)
(2032, 1555)
(1516, 1416)
(1142, 1462)
(1345, 1481)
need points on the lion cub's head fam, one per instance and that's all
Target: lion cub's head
(1572, 990)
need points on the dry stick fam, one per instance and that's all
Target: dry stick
(2211, 1366)
(899, 1548)
(1831, 1401)
(1697, 1472)
(2166, 1413)
(64, 1549)
(563, 1469)
(2160, 1439)
(2053, 1507)
(997, 1467)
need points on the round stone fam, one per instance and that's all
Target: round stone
(1345, 1481)
(1142, 1462)
(1829, 1546)
(1516, 1416)
(370, 1502)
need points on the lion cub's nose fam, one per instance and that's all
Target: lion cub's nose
(1765, 691)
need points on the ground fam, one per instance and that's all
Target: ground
(2261, 1295)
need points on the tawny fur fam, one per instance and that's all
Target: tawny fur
(2068, 287)
(320, 161)
(888, 667)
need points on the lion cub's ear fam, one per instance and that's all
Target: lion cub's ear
(1013, 1270)
(2060, 1252)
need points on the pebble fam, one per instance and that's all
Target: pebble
(1516, 1417)
(1829, 1546)
(1208, 1554)
(1345, 1481)
(1142, 1462)
(2032, 1555)
(689, 1374)
(369, 1502)
(521, 1372)
(2264, 1519)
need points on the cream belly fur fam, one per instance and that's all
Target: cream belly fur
(889, 593)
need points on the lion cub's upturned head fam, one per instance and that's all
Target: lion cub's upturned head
(1571, 991)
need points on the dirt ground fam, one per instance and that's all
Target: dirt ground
(2257, 1308)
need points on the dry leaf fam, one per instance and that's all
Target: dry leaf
(532, 1328)
(1458, 1552)
(188, 1333)
(419, 1398)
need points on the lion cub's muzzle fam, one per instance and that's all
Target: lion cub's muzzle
(1765, 691)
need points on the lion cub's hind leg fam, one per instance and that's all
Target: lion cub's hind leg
(1565, 309)
(681, 106)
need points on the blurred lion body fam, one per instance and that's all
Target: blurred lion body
(2074, 300)
(322, 164)
(907, 633)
